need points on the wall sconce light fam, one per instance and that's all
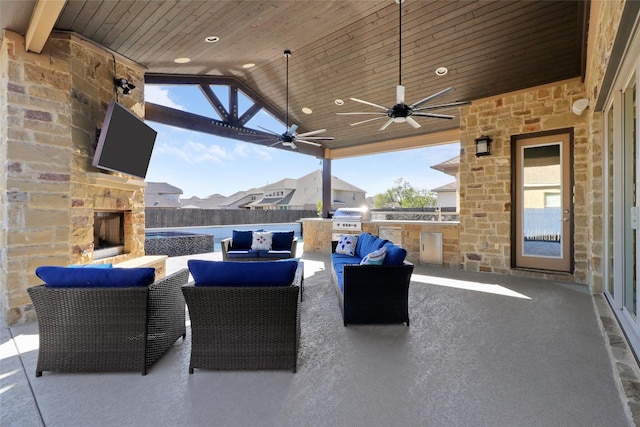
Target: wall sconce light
(579, 106)
(483, 146)
(124, 84)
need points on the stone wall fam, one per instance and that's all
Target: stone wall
(485, 182)
(50, 107)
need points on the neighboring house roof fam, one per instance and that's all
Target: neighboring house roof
(450, 167)
(210, 202)
(296, 193)
(162, 188)
(162, 195)
(309, 188)
(160, 201)
(450, 187)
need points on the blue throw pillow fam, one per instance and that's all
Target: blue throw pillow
(375, 258)
(281, 240)
(64, 277)
(395, 254)
(244, 273)
(242, 239)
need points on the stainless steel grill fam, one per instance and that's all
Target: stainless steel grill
(347, 221)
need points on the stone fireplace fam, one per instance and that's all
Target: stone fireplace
(108, 233)
(53, 103)
(114, 209)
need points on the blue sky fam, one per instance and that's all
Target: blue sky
(202, 164)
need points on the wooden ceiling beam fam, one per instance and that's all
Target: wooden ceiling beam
(417, 141)
(44, 16)
(185, 120)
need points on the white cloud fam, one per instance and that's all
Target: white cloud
(192, 152)
(159, 95)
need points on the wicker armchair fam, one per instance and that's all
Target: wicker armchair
(108, 329)
(244, 327)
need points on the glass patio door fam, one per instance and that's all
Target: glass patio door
(629, 200)
(543, 202)
(622, 206)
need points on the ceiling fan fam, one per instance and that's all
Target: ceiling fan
(290, 137)
(402, 112)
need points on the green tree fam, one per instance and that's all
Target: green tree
(404, 195)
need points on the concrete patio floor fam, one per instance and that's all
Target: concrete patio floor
(482, 350)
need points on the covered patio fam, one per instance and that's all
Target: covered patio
(526, 346)
(482, 350)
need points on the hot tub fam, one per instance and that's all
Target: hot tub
(177, 243)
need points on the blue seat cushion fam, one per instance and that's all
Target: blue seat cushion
(240, 254)
(344, 259)
(395, 254)
(368, 243)
(241, 239)
(69, 277)
(272, 254)
(281, 240)
(242, 274)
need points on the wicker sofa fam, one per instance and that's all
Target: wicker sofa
(244, 315)
(100, 329)
(372, 293)
(243, 246)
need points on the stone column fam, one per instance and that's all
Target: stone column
(50, 106)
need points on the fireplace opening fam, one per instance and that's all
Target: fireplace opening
(108, 234)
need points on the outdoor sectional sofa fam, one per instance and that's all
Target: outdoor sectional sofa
(244, 315)
(101, 320)
(371, 293)
(259, 245)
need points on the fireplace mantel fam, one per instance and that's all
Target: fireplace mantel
(112, 181)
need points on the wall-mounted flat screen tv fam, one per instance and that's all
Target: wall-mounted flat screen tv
(125, 142)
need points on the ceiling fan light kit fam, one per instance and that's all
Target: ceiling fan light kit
(401, 112)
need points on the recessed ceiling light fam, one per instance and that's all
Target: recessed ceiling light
(307, 110)
(182, 60)
(212, 39)
(248, 65)
(441, 71)
(339, 102)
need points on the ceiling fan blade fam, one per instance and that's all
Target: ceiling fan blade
(430, 97)
(386, 124)
(399, 94)
(369, 120)
(275, 143)
(308, 142)
(292, 129)
(317, 138)
(413, 123)
(435, 107)
(437, 116)
(269, 131)
(313, 132)
(369, 103)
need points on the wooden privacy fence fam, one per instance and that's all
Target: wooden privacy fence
(171, 217)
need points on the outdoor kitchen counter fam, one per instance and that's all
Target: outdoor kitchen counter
(318, 232)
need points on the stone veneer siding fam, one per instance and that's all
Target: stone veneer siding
(50, 106)
(485, 182)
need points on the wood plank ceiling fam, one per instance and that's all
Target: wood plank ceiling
(342, 49)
